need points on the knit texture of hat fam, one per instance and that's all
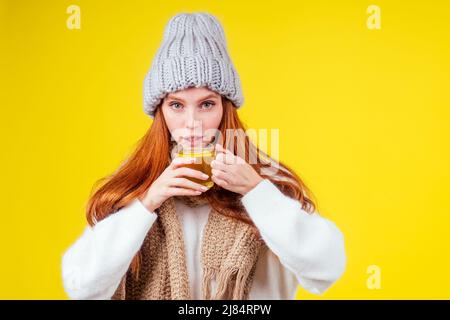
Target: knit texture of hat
(193, 53)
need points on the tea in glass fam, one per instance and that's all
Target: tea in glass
(203, 157)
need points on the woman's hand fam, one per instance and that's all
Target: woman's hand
(232, 172)
(171, 183)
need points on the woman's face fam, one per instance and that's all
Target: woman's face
(193, 115)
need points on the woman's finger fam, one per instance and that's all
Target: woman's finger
(220, 175)
(186, 183)
(188, 172)
(227, 152)
(174, 191)
(216, 164)
(219, 181)
(180, 161)
(226, 158)
(220, 148)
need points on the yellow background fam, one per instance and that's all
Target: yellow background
(363, 118)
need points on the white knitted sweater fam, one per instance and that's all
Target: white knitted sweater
(304, 249)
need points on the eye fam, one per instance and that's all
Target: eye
(175, 106)
(208, 104)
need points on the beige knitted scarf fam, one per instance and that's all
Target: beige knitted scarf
(229, 252)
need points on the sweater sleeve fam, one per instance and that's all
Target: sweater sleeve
(309, 245)
(94, 265)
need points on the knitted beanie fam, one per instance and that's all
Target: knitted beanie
(193, 53)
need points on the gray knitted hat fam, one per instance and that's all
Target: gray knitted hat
(193, 53)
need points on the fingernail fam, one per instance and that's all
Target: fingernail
(205, 176)
(204, 188)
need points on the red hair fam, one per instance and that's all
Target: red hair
(152, 156)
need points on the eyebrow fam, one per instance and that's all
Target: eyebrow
(211, 95)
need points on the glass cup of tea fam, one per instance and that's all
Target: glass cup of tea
(203, 156)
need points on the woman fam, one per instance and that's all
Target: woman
(155, 234)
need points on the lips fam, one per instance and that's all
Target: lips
(192, 138)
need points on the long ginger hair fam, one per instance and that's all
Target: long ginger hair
(152, 156)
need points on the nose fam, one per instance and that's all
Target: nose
(191, 120)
